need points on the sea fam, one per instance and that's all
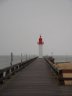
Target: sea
(5, 60)
(63, 58)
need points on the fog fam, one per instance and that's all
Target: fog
(23, 21)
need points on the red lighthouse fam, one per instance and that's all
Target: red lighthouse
(40, 43)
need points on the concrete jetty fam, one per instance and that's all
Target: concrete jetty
(36, 79)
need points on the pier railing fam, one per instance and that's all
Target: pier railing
(63, 75)
(6, 73)
(54, 69)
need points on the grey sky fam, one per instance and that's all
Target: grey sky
(22, 21)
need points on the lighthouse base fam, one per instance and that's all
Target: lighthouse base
(40, 51)
(40, 57)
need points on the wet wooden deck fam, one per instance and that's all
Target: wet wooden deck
(35, 80)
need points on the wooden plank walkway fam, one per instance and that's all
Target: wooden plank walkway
(35, 80)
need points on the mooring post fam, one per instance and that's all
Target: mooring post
(26, 57)
(21, 57)
(11, 58)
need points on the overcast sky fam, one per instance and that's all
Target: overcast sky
(22, 21)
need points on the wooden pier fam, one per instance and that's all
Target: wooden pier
(36, 79)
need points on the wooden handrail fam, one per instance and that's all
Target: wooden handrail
(6, 73)
(63, 75)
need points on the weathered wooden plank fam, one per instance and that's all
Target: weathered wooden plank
(35, 80)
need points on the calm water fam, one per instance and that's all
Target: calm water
(63, 58)
(5, 60)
